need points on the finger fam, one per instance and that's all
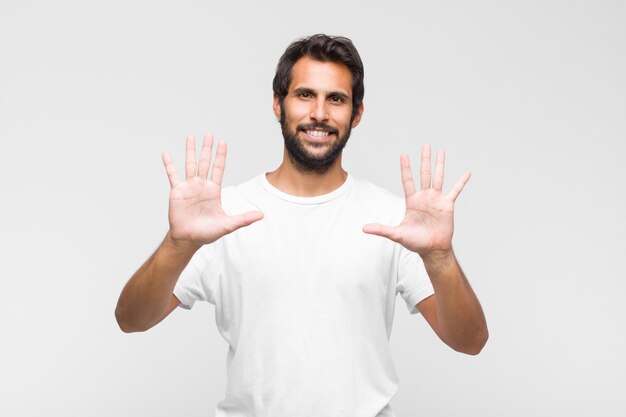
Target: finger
(407, 176)
(242, 220)
(170, 170)
(220, 162)
(439, 168)
(425, 167)
(190, 157)
(205, 156)
(458, 187)
(389, 232)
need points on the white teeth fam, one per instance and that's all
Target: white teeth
(317, 133)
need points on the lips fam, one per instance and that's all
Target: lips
(318, 131)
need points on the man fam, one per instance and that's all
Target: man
(303, 289)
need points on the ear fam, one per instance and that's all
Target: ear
(357, 117)
(276, 107)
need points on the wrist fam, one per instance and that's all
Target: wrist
(438, 257)
(180, 246)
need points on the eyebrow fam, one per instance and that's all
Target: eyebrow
(307, 90)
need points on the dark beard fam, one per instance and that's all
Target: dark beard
(301, 158)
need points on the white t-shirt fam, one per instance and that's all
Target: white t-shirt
(305, 300)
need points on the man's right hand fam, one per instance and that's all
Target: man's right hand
(195, 209)
(196, 218)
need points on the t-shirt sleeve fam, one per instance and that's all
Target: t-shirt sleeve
(198, 280)
(413, 282)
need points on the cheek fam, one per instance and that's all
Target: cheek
(342, 118)
(297, 111)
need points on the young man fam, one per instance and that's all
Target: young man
(304, 291)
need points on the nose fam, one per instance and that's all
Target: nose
(319, 111)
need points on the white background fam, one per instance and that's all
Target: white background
(531, 96)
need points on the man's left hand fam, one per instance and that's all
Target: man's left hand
(428, 224)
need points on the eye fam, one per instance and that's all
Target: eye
(304, 94)
(335, 99)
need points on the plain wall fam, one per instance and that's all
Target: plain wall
(530, 96)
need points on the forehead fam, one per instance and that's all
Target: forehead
(321, 76)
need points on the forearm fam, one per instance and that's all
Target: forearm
(460, 319)
(147, 295)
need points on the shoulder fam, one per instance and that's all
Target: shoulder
(378, 200)
(370, 191)
(244, 196)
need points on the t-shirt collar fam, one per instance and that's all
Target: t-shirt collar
(318, 199)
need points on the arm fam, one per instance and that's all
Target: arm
(196, 218)
(453, 311)
(147, 298)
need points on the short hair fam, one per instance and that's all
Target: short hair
(324, 48)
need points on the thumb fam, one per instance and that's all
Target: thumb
(377, 229)
(244, 219)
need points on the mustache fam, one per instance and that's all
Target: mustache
(317, 125)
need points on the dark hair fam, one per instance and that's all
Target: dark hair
(322, 48)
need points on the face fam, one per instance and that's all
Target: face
(316, 114)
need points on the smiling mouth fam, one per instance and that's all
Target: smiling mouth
(317, 133)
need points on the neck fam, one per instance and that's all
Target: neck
(289, 179)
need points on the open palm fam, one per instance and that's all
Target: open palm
(195, 207)
(428, 223)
